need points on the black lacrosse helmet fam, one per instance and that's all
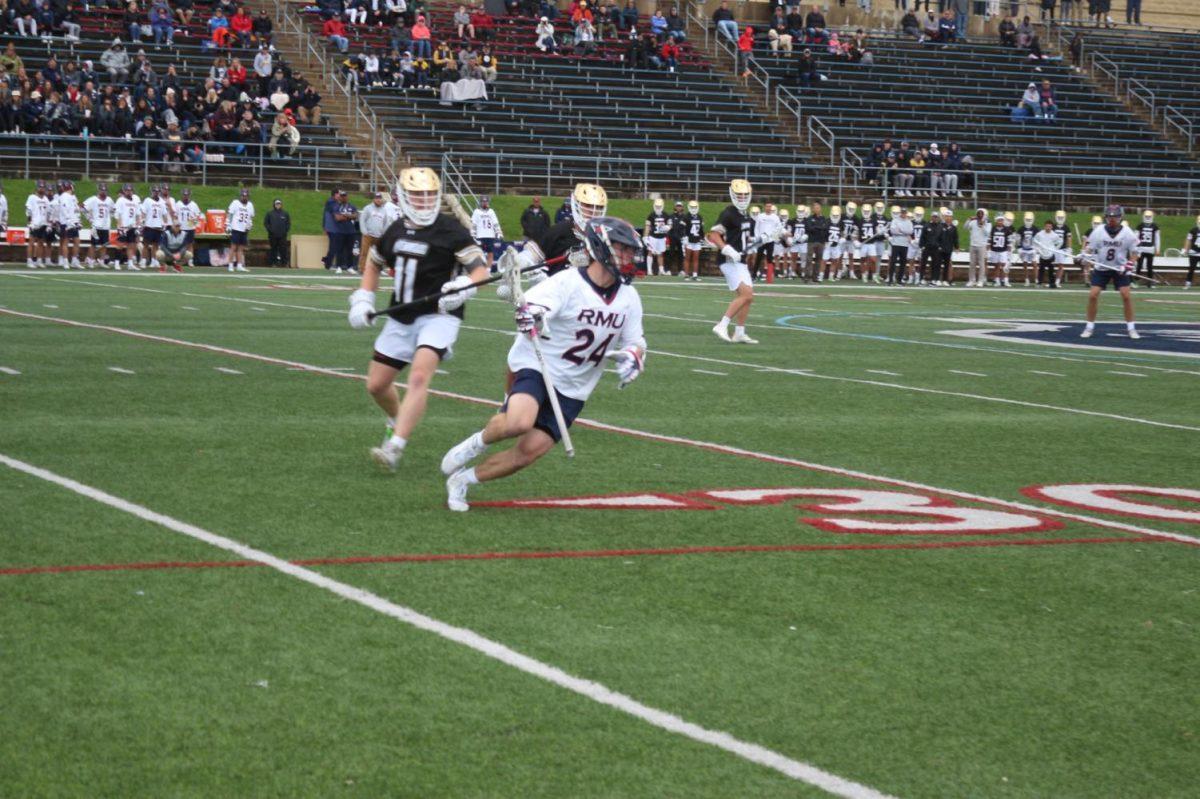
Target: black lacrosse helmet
(1113, 215)
(615, 245)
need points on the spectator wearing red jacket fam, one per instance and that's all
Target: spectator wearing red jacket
(335, 31)
(745, 49)
(483, 24)
(236, 74)
(670, 55)
(241, 23)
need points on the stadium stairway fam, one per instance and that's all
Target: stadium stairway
(117, 160)
(553, 119)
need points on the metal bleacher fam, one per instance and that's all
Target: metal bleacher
(323, 155)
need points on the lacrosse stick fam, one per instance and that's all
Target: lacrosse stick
(404, 306)
(512, 279)
(1084, 259)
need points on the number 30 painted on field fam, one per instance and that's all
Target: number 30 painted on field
(935, 516)
(1114, 498)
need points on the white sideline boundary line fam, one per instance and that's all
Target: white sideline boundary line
(643, 434)
(795, 769)
(721, 361)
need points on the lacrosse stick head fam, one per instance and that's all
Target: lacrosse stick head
(512, 281)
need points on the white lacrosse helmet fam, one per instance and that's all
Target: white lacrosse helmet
(879, 208)
(801, 211)
(1029, 217)
(740, 193)
(919, 213)
(835, 213)
(693, 207)
(1148, 216)
(588, 201)
(851, 209)
(658, 206)
(1060, 217)
(783, 214)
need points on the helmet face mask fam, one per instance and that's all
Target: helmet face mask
(1148, 217)
(658, 206)
(1113, 215)
(419, 194)
(588, 201)
(801, 211)
(1060, 217)
(783, 213)
(919, 213)
(1029, 217)
(693, 207)
(740, 193)
(615, 245)
(835, 213)
(851, 209)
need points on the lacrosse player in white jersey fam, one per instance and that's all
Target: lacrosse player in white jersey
(98, 210)
(241, 219)
(1112, 250)
(37, 220)
(154, 219)
(583, 316)
(187, 214)
(69, 219)
(1063, 258)
(3, 213)
(732, 238)
(126, 212)
(1025, 235)
(797, 239)
(485, 227)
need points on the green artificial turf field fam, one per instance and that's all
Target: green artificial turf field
(1007, 645)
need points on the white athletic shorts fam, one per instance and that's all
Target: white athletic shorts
(735, 274)
(399, 342)
(1028, 255)
(656, 245)
(1060, 258)
(914, 253)
(872, 249)
(780, 248)
(998, 258)
(833, 252)
(799, 249)
(693, 246)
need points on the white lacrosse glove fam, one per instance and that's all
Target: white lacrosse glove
(454, 301)
(528, 318)
(362, 302)
(731, 255)
(629, 364)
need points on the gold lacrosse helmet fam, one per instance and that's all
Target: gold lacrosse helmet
(588, 201)
(419, 195)
(739, 193)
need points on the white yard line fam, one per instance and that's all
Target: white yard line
(9, 370)
(712, 447)
(1048, 374)
(258, 309)
(1127, 374)
(883, 372)
(188, 308)
(968, 374)
(226, 370)
(121, 307)
(121, 371)
(707, 372)
(795, 769)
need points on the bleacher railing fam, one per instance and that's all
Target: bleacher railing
(104, 157)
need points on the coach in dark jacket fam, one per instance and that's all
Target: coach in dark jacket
(278, 225)
(817, 228)
(944, 246)
(535, 221)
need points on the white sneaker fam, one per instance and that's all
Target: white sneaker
(350, 271)
(456, 492)
(742, 338)
(29, 264)
(75, 263)
(1187, 284)
(241, 268)
(337, 271)
(116, 266)
(462, 453)
(387, 455)
(1026, 281)
(1134, 334)
(231, 267)
(1087, 333)
(722, 332)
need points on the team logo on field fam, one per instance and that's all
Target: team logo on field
(1179, 339)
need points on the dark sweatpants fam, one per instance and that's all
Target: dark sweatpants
(896, 264)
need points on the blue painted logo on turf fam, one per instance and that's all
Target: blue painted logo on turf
(1180, 339)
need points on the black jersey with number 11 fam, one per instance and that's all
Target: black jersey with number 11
(424, 259)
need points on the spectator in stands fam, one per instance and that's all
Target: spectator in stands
(1008, 32)
(608, 21)
(658, 25)
(745, 47)
(443, 60)
(237, 74)
(1035, 51)
(669, 53)
(116, 60)
(401, 37)
(462, 23)
(814, 26)
(218, 30)
(23, 17)
(1025, 33)
(629, 16)
(676, 25)
(335, 31)
(1076, 50)
(1100, 9)
(132, 20)
(488, 64)
(1031, 101)
(778, 37)
(466, 52)
(1133, 12)
(10, 61)
(483, 25)
(263, 69)
(1048, 11)
(910, 26)
(66, 19)
(184, 10)
(249, 131)
(422, 45)
(355, 11)
(241, 24)
(370, 62)
(947, 31)
(585, 38)
(806, 69)
(162, 25)
(722, 18)
(263, 29)
(1047, 102)
(937, 165)
(580, 10)
(918, 169)
(283, 128)
(545, 36)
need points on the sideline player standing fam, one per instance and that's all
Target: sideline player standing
(3, 212)
(731, 236)
(999, 249)
(586, 315)
(900, 235)
(373, 220)
(1047, 243)
(69, 218)
(98, 210)
(154, 218)
(1149, 244)
(1064, 258)
(125, 211)
(693, 241)
(1111, 248)
(241, 219)
(425, 248)
(187, 214)
(485, 226)
(655, 231)
(37, 218)
(1192, 246)
(1025, 235)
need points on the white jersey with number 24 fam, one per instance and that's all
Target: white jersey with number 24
(582, 328)
(1112, 252)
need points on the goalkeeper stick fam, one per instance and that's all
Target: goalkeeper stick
(404, 306)
(512, 277)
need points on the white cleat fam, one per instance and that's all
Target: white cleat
(1134, 334)
(387, 455)
(742, 338)
(1187, 284)
(461, 454)
(456, 492)
(722, 332)
(1087, 333)
(231, 267)
(241, 268)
